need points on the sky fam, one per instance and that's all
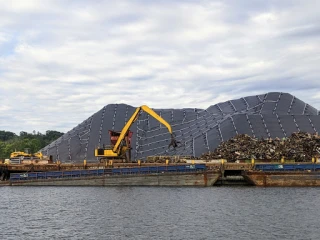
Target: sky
(63, 60)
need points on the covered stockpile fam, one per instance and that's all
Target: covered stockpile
(266, 116)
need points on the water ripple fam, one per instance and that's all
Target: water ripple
(159, 213)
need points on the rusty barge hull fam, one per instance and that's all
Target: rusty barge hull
(202, 179)
(283, 179)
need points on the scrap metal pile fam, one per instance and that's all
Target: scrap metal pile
(300, 146)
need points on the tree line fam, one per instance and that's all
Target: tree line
(11, 142)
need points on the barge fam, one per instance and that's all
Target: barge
(260, 174)
(284, 175)
(176, 175)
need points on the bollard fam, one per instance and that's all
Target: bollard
(58, 163)
(139, 162)
(282, 160)
(252, 162)
(222, 168)
(110, 162)
(85, 164)
(313, 160)
(167, 162)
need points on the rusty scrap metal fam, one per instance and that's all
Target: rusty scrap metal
(300, 147)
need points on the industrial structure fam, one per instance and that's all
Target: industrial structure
(121, 140)
(198, 131)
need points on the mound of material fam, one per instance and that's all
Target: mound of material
(301, 147)
(199, 131)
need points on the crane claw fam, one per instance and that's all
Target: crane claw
(174, 143)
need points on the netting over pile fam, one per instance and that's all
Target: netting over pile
(198, 131)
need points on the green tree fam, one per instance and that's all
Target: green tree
(5, 136)
(10, 142)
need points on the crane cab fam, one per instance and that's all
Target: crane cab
(107, 150)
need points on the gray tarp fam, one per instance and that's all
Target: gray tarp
(268, 115)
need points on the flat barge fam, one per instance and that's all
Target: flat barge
(284, 175)
(176, 175)
(283, 179)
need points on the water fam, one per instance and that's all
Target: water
(159, 213)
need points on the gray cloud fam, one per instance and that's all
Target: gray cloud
(62, 61)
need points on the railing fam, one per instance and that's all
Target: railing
(17, 160)
(106, 171)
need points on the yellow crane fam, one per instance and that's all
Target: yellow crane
(121, 140)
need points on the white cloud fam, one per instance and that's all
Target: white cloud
(60, 61)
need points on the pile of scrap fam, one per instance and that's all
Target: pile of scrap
(300, 147)
(171, 159)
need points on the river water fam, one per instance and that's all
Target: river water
(159, 213)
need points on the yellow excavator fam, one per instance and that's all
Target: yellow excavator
(121, 141)
(26, 155)
(19, 154)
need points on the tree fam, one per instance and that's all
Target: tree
(51, 136)
(10, 142)
(5, 136)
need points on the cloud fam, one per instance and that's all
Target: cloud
(62, 61)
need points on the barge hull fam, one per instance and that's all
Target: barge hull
(283, 179)
(202, 179)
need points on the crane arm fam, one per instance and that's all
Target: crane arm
(125, 129)
(134, 117)
(157, 117)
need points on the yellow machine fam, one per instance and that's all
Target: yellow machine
(121, 140)
(38, 155)
(26, 155)
(19, 154)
